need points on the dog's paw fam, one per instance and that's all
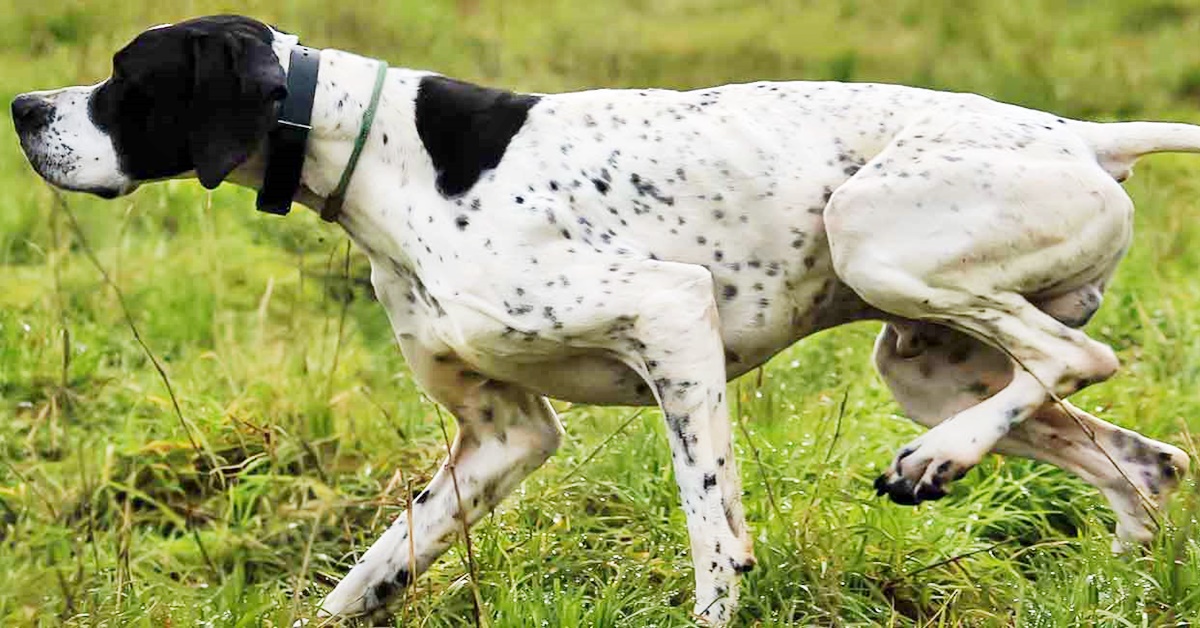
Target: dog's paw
(1146, 473)
(718, 572)
(714, 606)
(923, 471)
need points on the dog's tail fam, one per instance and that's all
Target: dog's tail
(1119, 144)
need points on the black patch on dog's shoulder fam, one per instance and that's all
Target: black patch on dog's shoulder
(466, 128)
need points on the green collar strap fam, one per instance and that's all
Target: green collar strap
(333, 203)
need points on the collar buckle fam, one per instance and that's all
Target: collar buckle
(288, 124)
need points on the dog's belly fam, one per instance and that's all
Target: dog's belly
(581, 370)
(598, 378)
(595, 379)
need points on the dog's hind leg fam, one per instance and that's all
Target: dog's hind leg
(935, 373)
(1024, 211)
(504, 433)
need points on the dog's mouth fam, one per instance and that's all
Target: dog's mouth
(57, 174)
(105, 193)
(52, 169)
(58, 168)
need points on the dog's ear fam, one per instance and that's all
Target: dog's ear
(236, 85)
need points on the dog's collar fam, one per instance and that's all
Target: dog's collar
(287, 140)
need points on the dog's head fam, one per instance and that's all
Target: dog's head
(198, 96)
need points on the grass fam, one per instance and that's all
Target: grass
(309, 436)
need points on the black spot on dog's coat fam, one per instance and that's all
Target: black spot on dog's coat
(466, 128)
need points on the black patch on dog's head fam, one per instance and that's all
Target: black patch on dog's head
(198, 95)
(466, 128)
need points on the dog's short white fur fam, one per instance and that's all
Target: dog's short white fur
(644, 246)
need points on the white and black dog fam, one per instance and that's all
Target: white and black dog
(644, 246)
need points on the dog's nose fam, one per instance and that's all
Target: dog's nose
(31, 112)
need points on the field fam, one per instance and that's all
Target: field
(298, 435)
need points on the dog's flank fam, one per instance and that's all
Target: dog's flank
(643, 246)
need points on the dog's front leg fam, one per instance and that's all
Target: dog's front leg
(676, 344)
(504, 434)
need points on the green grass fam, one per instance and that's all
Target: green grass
(108, 517)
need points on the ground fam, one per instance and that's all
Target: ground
(299, 434)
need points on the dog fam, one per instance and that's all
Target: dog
(644, 246)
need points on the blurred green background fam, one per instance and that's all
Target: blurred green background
(311, 434)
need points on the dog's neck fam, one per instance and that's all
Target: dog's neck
(342, 97)
(343, 93)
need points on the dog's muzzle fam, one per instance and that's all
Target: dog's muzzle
(63, 146)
